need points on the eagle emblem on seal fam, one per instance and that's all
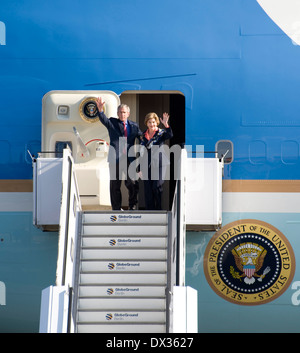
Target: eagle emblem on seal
(88, 110)
(249, 259)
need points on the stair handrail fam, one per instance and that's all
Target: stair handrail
(68, 239)
(176, 240)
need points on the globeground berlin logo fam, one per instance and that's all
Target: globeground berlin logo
(249, 262)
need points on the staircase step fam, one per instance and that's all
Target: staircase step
(124, 242)
(121, 291)
(121, 304)
(124, 266)
(124, 279)
(116, 328)
(122, 230)
(124, 218)
(121, 316)
(118, 254)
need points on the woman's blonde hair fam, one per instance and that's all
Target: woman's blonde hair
(151, 116)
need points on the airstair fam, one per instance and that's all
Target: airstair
(118, 271)
(122, 272)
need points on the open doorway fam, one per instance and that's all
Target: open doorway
(143, 102)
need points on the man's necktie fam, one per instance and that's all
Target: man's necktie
(125, 129)
(125, 134)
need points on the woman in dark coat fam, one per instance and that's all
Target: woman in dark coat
(152, 139)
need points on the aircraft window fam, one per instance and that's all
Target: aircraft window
(224, 149)
(59, 147)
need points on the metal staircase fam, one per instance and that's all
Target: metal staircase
(118, 272)
(122, 271)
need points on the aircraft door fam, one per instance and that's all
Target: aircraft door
(65, 110)
(70, 118)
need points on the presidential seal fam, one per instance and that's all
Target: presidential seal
(249, 262)
(88, 110)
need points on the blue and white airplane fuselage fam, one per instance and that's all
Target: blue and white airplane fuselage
(228, 74)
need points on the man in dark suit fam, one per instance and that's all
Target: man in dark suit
(122, 133)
